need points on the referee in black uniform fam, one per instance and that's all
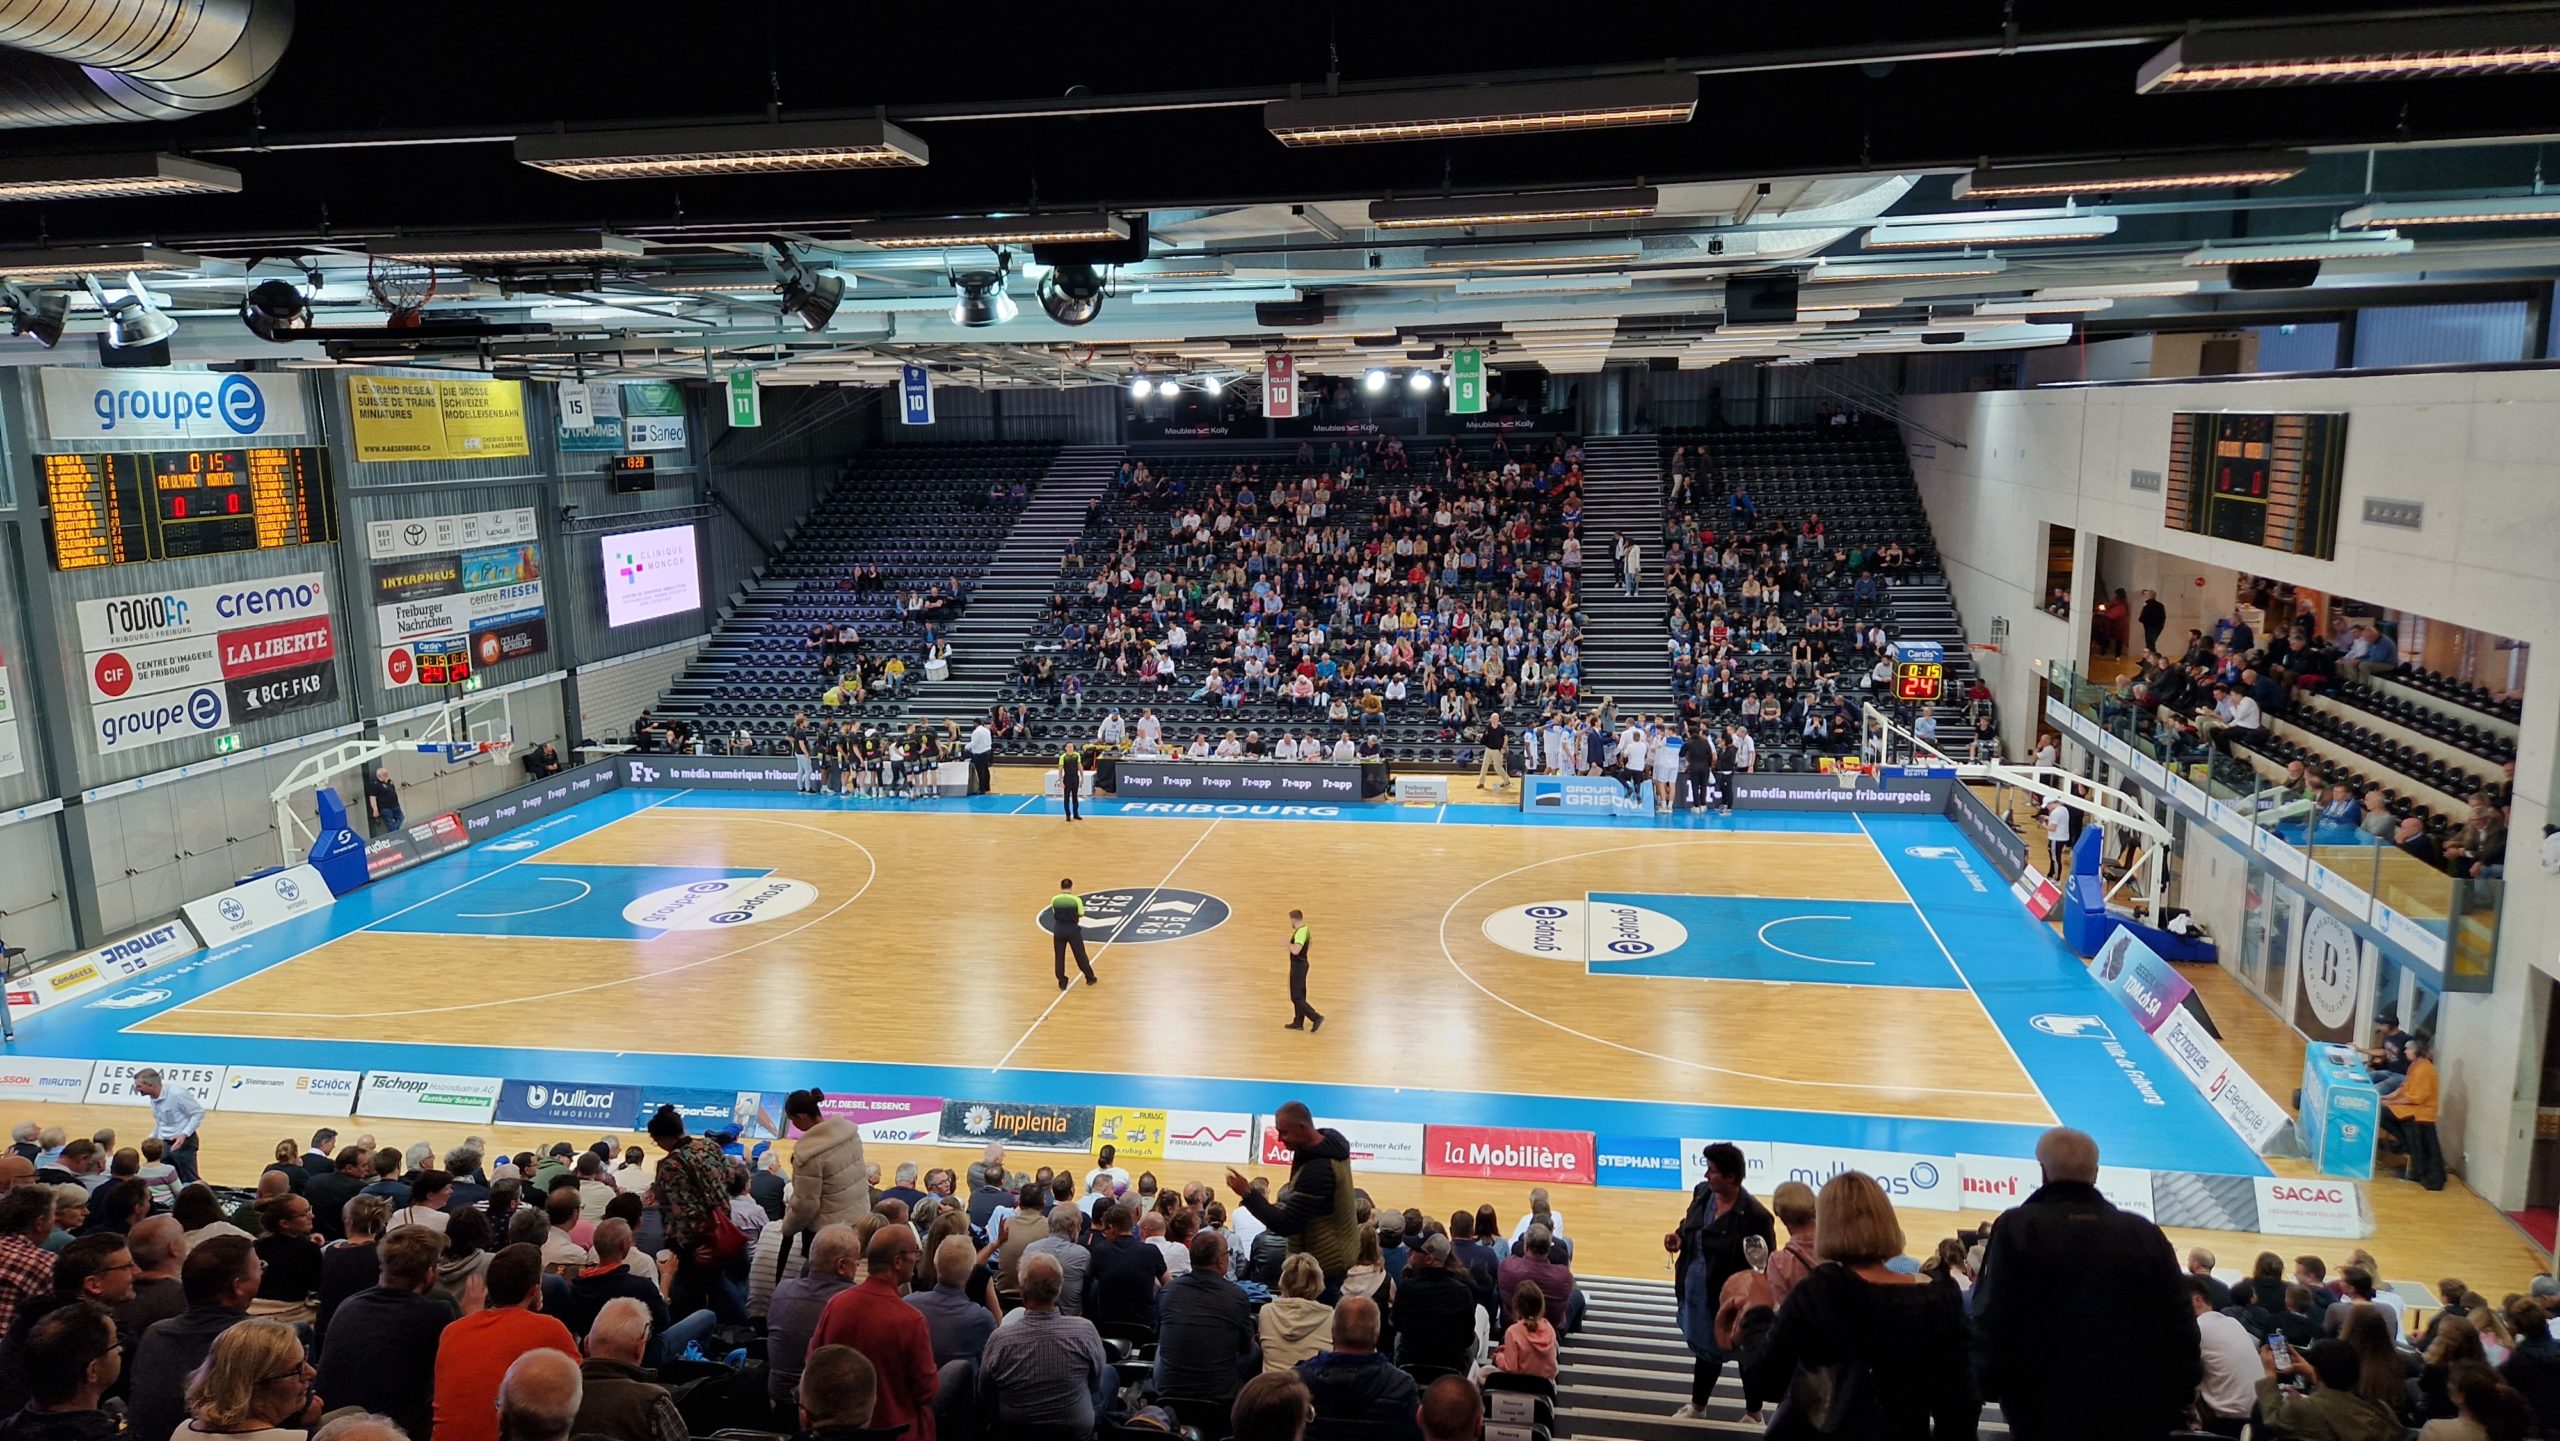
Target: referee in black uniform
(1070, 772)
(1066, 932)
(1302, 1017)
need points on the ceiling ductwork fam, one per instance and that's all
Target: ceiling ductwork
(92, 62)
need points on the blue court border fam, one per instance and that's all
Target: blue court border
(2017, 966)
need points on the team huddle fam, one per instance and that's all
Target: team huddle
(1663, 764)
(853, 760)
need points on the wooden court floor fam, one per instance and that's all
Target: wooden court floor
(923, 948)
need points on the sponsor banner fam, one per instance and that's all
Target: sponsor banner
(1506, 1154)
(1305, 427)
(253, 906)
(258, 697)
(590, 416)
(191, 662)
(564, 1103)
(1577, 796)
(1995, 1183)
(1807, 793)
(417, 1096)
(1558, 422)
(2292, 1206)
(653, 416)
(1931, 1183)
(1999, 843)
(2411, 935)
(1234, 780)
(504, 565)
(1756, 1172)
(2338, 891)
(900, 1120)
(2242, 1103)
(2148, 987)
(37, 1078)
(2057, 712)
(2151, 771)
(1134, 1135)
(1646, 1163)
(439, 534)
(110, 963)
(714, 773)
(157, 720)
(1225, 1137)
(1392, 1147)
(2228, 819)
(1602, 928)
(719, 903)
(1029, 1124)
(81, 403)
(131, 620)
(111, 1083)
(706, 1112)
(398, 417)
(2186, 792)
(428, 840)
(485, 820)
(2286, 858)
(285, 1091)
(2331, 965)
(513, 639)
(417, 577)
(2112, 746)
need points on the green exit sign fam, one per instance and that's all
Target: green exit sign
(224, 745)
(472, 682)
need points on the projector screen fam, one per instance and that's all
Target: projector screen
(650, 573)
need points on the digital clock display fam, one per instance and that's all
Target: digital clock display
(164, 505)
(1919, 680)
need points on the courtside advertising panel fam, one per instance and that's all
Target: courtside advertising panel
(111, 1084)
(1393, 1147)
(287, 1091)
(416, 1096)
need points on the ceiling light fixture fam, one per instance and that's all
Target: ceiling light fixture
(1535, 284)
(1554, 256)
(1912, 233)
(131, 322)
(70, 265)
(40, 315)
(1210, 295)
(2169, 172)
(2130, 290)
(273, 309)
(982, 299)
(1138, 387)
(1168, 388)
(2353, 50)
(674, 152)
(1374, 382)
(2084, 306)
(1917, 267)
(1628, 203)
(1481, 110)
(1094, 228)
(1072, 294)
(2304, 247)
(1420, 383)
(110, 177)
(2501, 210)
(812, 296)
(561, 247)
(1180, 267)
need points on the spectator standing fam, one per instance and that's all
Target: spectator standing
(476, 1352)
(797, 1304)
(176, 1117)
(1794, 1203)
(1317, 1213)
(693, 1203)
(2066, 1251)
(829, 1179)
(875, 1319)
(1708, 1249)
(382, 802)
(1066, 1223)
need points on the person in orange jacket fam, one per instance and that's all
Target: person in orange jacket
(2410, 1117)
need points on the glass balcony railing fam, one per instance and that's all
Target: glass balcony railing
(2451, 920)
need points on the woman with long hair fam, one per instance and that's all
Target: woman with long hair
(2487, 1408)
(2456, 1344)
(2381, 1376)
(830, 1183)
(255, 1384)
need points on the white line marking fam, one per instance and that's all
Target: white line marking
(1027, 803)
(1952, 961)
(1502, 1000)
(1065, 990)
(870, 859)
(584, 890)
(1763, 934)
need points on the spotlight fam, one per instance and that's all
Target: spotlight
(1214, 385)
(807, 294)
(1138, 387)
(131, 322)
(1374, 381)
(274, 308)
(1421, 381)
(983, 301)
(1072, 294)
(1168, 389)
(41, 316)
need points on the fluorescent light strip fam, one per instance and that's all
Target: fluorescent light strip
(2453, 212)
(678, 151)
(2195, 172)
(1213, 295)
(564, 247)
(1479, 210)
(1905, 235)
(25, 265)
(2044, 307)
(1482, 110)
(2307, 247)
(1024, 230)
(1517, 257)
(1834, 272)
(108, 177)
(2131, 290)
(2353, 50)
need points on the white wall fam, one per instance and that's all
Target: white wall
(2481, 450)
(611, 694)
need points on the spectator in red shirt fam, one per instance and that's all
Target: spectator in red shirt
(875, 1319)
(474, 1353)
(26, 1267)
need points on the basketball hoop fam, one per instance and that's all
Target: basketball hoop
(400, 289)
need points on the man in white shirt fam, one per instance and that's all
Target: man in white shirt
(1229, 748)
(2240, 716)
(1150, 730)
(2231, 1364)
(982, 751)
(175, 1119)
(1285, 748)
(1345, 750)
(1113, 729)
(1635, 765)
(2057, 834)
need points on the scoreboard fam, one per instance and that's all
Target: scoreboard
(118, 509)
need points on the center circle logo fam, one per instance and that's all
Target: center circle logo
(717, 905)
(242, 405)
(1581, 931)
(1135, 915)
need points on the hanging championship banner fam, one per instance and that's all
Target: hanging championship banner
(1466, 381)
(1280, 387)
(915, 395)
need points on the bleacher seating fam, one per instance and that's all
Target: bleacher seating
(903, 523)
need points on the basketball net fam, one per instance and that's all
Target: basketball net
(401, 290)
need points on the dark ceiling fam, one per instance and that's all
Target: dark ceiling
(457, 68)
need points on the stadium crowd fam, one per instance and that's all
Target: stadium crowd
(369, 1293)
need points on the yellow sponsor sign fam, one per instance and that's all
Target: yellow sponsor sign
(1136, 1135)
(400, 417)
(82, 974)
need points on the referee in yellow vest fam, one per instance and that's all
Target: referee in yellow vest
(1302, 1017)
(1066, 931)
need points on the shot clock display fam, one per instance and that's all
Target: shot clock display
(118, 509)
(1915, 680)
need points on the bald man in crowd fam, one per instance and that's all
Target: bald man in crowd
(538, 1398)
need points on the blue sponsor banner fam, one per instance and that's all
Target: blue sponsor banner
(1649, 1163)
(565, 1103)
(704, 1111)
(1578, 795)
